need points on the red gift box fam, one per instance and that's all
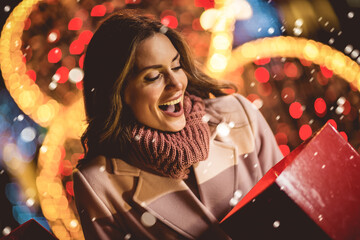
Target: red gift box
(313, 193)
(30, 230)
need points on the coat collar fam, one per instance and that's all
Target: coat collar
(165, 198)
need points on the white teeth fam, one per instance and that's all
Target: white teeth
(172, 102)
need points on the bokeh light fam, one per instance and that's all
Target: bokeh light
(208, 18)
(262, 74)
(62, 74)
(75, 24)
(218, 62)
(295, 110)
(170, 21)
(98, 11)
(54, 55)
(76, 47)
(53, 36)
(305, 132)
(285, 150)
(320, 106)
(288, 95)
(290, 70)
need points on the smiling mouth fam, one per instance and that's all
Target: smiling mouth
(173, 108)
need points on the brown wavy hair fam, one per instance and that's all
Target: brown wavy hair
(109, 61)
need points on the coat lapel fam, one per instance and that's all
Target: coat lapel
(172, 202)
(218, 175)
(216, 178)
(221, 157)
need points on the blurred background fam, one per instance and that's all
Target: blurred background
(296, 60)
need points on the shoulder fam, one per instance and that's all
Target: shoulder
(90, 174)
(231, 108)
(104, 169)
(92, 167)
(104, 179)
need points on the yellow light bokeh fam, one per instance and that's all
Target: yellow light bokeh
(249, 51)
(43, 110)
(14, 69)
(43, 113)
(217, 62)
(338, 63)
(294, 47)
(208, 18)
(25, 99)
(55, 189)
(62, 204)
(49, 209)
(221, 41)
(310, 51)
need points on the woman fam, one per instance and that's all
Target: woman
(162, 159)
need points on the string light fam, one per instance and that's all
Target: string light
(14, 71)
(293, 47)
(22, 87)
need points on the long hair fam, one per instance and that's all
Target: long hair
(109, 60)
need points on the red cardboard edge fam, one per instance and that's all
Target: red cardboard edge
(270, 176)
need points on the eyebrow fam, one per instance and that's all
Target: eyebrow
(157, 66)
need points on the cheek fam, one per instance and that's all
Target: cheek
(183, 77)
(133, 98)
(146, 98)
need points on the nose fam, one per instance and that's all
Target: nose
(173, 81)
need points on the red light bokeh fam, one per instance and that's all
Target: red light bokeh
(320, 106)
(54, 55)
(262, 74)
(290, 70)
(295, 110)
(63, 73)
(75, 24)
(98, 11)
(305, 132)
(170, 21)
(284, 149)
(32, 74)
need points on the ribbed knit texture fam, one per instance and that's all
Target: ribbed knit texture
(172, 153)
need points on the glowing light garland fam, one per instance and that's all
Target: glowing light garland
(220, 21)
(222, 61)
(300, 48)
(62, 124)
(62, 219)
(22, 88)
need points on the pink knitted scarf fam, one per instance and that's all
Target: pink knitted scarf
(172, 153)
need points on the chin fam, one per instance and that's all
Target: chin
(174, 127)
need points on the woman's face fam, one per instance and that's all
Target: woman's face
(155, 92)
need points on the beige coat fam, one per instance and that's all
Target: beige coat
(118, 201)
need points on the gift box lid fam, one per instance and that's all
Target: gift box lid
(322, 176)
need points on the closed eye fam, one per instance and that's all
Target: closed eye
(153, 78)
(176, 68)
